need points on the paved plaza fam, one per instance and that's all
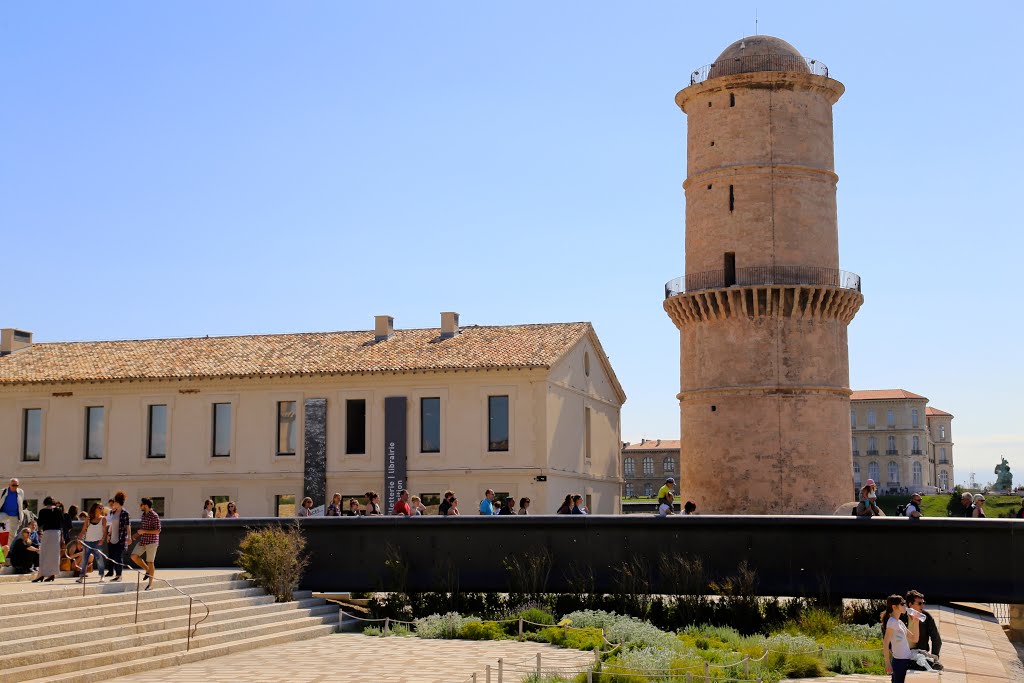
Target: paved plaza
(355, 657)
(975, 650)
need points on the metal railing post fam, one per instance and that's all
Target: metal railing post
(188, 633)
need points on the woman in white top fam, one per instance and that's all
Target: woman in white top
(896, 643)
(93, 536)
(208, 509)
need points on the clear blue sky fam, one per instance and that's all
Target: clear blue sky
(196, 168)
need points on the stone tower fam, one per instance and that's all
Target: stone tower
(763, 308)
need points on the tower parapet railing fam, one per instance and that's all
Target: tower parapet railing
(755, 63)
(762, 275)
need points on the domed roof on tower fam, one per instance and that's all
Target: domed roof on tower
(758, 53)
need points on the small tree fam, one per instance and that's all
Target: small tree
(275, 558)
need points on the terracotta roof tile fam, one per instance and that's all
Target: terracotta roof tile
(884, 394)
(929, 411)
(512, 346)
(654, 445)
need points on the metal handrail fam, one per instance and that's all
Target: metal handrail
(190, 631)
(756, 63)
(762, 275)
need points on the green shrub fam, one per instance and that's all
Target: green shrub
(804, 666)
(373, 631)
(537, 616)
(442, 625)
(485, 630)
(275, 558)
(817, 622)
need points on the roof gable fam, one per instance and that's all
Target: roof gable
(884, 394)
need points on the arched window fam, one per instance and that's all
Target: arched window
(890, 418)
(873, 471)
(917, 445)
(856, 451)
(913, 418)
(944, 480)
(648, 490)
(629, 467)
(629, 489)
(669, 464)
(890, 445)
(917, 474)
(872, 446)
(856, 474)
(942, 455)
(648, 466)
(894, 473)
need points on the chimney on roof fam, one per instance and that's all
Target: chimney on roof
(383, 327)
(12, 340)
(449, 324)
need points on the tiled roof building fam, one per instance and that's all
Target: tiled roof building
(263, 420)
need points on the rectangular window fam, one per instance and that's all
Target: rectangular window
(355, 426)
(221, 430)
(94, 418)
(586, 434)
(32, 505)
(220, 505)
(157, 441)
(431, 501)
(32, 435)
(158, 505)
(87, 504)
(284, 506)
(497, 423)
(430, 425)
(853, 419)
(890, 418)
(871, 419)
(287, 434)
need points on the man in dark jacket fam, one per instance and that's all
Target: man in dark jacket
(966, 505)
(928, 630)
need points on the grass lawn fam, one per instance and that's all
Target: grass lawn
(935, 506)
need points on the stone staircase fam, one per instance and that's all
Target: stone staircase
(52, 632)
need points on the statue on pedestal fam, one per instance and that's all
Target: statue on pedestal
(1004, 480)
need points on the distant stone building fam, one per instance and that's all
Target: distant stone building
(900, 441)
(647, 464)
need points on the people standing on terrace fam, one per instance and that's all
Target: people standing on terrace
(93, 537)
(208, 509)
(118, 530)
(149, 540)
(51, 524)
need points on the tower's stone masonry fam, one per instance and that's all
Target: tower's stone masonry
(763, 307)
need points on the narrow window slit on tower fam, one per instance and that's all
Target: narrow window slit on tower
(732, 100)
(730, 268)
(712, 143)
(709, 104)
(709, 186)
(732, 199)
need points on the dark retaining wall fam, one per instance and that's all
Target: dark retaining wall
(947, 559)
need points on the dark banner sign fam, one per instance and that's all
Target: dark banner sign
(394, 450)
(314, 449)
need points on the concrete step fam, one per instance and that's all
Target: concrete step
(70, 591)
(27, 652)
(111, 654)
(121, 600)
(69, 622)
(196, 654)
